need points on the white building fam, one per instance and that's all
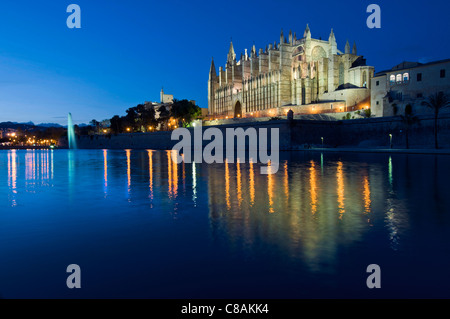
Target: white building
(408, 83)
(305, 75)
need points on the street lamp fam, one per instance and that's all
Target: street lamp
(390, 140)
(322, 141)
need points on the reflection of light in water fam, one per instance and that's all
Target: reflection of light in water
(313, 188)
(45, 168)
(392, 225)
(366, 194)
(169, 172)
(340, 189)
(12, 175)
(71, 165)
(227, 184)
(286, 181)
(390, 170)
(270, 188)
(175, 177)
(307, 228)
(51, 164)
(150, 172)
(184, 175)
(194, 184)
(239, 182)
(33, 165)
(172, 168)
(128, 152)
(321, 163)
(29, 165)
(393, 219)
(252, 183)
(40, 166)
(105, 170)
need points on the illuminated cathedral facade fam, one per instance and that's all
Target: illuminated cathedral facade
(305, 75)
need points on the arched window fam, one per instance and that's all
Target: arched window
(405, 77)
(399, 78)
(341, 73)
(392, 79)
(364, 80)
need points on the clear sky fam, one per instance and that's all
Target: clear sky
(126, 51)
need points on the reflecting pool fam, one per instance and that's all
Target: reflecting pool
(141, 226)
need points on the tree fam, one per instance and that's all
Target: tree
(185, 112)
(95, 124)
(132, 118)
(436, 102)
(147, 115)
(408, 121)
(164, 115)
(116, 124)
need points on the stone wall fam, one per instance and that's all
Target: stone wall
(365, 133)
(371, 133)
(162, 140)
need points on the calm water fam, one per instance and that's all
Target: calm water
(140, 226)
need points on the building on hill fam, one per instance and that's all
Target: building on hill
(165, 98)
(306, 75)
(408, 83)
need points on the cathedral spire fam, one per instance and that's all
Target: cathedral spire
(212, 70)
(354, 48)
(307, 33)
(231, 55)
(331, 38)
(347, 48)
(281, 36)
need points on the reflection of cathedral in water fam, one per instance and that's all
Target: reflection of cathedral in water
(307, 208)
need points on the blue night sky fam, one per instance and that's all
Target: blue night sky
(126, 50)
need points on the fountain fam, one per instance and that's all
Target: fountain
(71, 133)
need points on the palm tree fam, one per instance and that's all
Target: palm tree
(436, 102)
(408, 120)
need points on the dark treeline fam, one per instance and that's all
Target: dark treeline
(145, 117)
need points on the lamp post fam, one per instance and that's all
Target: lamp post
(390, 140)
(322, 141)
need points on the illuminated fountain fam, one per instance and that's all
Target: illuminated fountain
(71, 133)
